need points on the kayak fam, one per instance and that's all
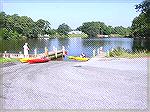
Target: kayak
(25, 60)
(38, 60)
(78, 58)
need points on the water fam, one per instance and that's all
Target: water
(74, 46)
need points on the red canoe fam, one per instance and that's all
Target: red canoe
(38, 60)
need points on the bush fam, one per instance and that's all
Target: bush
(121, 52)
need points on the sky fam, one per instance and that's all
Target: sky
(74, 12)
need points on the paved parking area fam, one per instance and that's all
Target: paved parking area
(96, 84)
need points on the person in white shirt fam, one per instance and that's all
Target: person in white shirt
(26, 49)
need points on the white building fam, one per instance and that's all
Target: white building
(75, 32)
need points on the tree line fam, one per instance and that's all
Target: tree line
(16, 27)
(140, 25)
(93, 29)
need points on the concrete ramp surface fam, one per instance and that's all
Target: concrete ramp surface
(99, 84)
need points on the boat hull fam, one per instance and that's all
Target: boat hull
(38, 60)
(25, 60)
(78, 58)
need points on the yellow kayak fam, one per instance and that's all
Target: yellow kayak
(78, 58)
(25, 60)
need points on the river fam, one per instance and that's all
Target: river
(74, 46)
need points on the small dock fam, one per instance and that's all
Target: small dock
(54, 54)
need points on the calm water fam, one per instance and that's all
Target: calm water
(75, 46)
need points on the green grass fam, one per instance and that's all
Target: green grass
(148, 54)
(68, 36)
(5, 60)
(121, 53)
(78, 35)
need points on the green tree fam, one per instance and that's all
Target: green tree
(120, 30)
(63, 29)
(144, 7)
(52, 32)
(15, 27)
(43, 26)
(141, 24)
(109, 30)
(2, 19)
(5, 33)
(92, 29)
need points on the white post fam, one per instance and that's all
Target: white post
(94, 53)
(108, 53)
(20, 55)
(63, 50)
(35, 52)
(5, 54)
(53, 48)
(112, 49)
(98, 51)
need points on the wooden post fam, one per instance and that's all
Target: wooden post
(94, 53)
(35, 52)
(46, 51)
(56, 52)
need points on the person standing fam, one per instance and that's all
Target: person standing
(26, 49)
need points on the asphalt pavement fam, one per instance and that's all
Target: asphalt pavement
(96, 84)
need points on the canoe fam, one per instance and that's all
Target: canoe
(25, 60)
(78, 58)
(38, 60)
